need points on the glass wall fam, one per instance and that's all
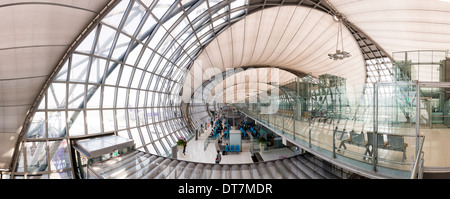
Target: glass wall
(125, 78)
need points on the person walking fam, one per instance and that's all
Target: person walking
(184, 148)
(218, 157)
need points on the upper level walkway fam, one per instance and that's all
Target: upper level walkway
(350, 144)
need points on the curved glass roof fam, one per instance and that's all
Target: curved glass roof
(127, 73)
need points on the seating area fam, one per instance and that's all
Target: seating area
(393, 142)
(232, 148)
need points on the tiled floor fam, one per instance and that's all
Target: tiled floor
(195, 152)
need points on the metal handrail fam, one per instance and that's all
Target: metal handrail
(419, 159)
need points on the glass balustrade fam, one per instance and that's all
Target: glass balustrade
(379, 126)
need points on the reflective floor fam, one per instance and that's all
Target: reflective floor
(195, 152)
(436, 147)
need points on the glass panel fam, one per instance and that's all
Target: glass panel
(113, 73)
(121, 98)
(97, 70)
(132, 98)
(153, 63)
(136, 137)
(115, 16)
(132, 117)
(146, 81)
(170, 22)
(56, 124)
(121, 119)
(93, 122)
(180, 27)
(36, 156)
(125, 77)
(76, 123)
(76, 95)
(62, 75)
(88, 43)
(161, 151)
(158, 37)
(133, 55)
(151, 149)
(37, 127)
(121, 46)
(105, 41)
(161, 66)
(213, 2)
(108, 120)
(238, 3)
(147, 3)
(164, 143)
(161, 8)
(141, 117)
(144, 59)
(42, 103)
(166, 44)
(198, 11)
(142, 98)
(108, 97)
(134, 18)
(152, 129)
(145, 135)
(79, 68)
(150, 23)
(59, 155)
(136, 78)
(94, 101)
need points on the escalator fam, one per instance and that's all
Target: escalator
(114, 157)
(140, 165)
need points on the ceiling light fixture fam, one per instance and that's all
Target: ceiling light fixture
(339, 54)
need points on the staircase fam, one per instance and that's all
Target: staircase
(140, 165)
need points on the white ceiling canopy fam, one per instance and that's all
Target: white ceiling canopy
(401, 25)
(34, 36)
(295, 38)
(251, 82)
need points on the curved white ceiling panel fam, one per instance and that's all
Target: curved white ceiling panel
(34, 36)
(32, 41)
(401, 25)
(235, 87)
(289, 37)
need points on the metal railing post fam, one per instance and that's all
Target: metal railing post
(334, 142)
(375, 127)
(417, 116)
(309, 132)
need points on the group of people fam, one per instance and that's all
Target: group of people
(217, 129)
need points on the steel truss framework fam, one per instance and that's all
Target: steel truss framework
(124, 74)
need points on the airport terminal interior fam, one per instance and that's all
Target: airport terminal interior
(224, 89)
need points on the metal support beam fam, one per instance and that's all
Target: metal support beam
(375, 127)
(417, 116)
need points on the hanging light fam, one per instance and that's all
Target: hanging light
(339, 54)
